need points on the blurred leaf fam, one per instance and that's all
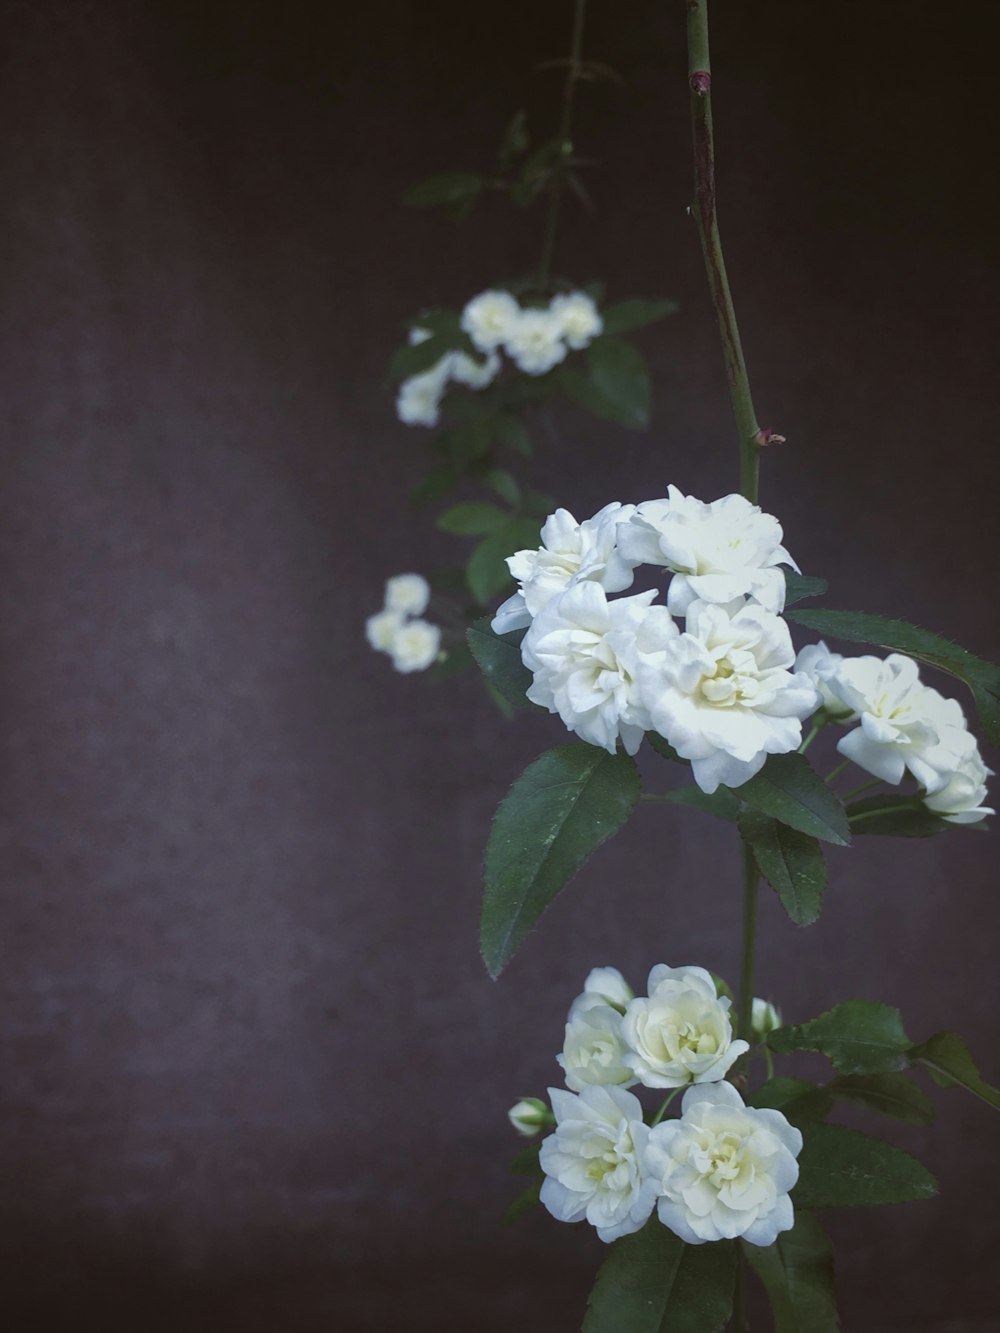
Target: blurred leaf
(457, 190)
(538, 502)
(951, 1065)
(486, 572)
(498, 657)
(472, 518)
(524, 1203)
(840, 1167)
(434, 485)
(619, 373)
(787, 788)
(636, 313)
(526, 1162)
(511, 432)
(515, 139)
(469, 442)
(420, 357)
(858, 1036)
(790, 861)
(505, 484)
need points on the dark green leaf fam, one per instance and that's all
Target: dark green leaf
(619, 373)
(797, 1273)
(472, 518)
(664, 748)
(452, 662)
(447, 323)
(451, 189)
(555, 815)
(889, 1094)
(526, 1162)
(787, 788)
(797, 1099)
(415, 359)
(858, 1036)
(721, 803)
(506, 709)
(791, 862)
(499, 659)
(951, 1064)
(505, 485)
(511, 432)
(895, 817)
(652, 1282)
(486, 573)
(841, 1167)
(636, 313)
(540, 503)
(982, 677)
(524, 1203)
(469, 442)
(800, 586)
(434, 485)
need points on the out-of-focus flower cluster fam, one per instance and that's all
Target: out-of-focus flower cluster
(399, 630)
(534, 338)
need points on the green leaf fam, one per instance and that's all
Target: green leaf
(652, 1282)
(523, 1203)
(511, 432)
(540, 503)
(722, 803)
(889, 1094)
(505, 709)
(800, 586)
(619, 373)
(434, 485)
(515, 139)
(447, 323)
(457, 190)
(415, 359)
(469, 442)
(858, 1036)
(951, 1065)
(895, 817)
(505, 485)
(472, 518)
(560, 810)
(797, 1273)
(452, 662)
(486, 573)
(982, 677)
(636, 313)
(840, 1167)
(526, 1162)
(664, 748)
(787, 788)
(791, 862)
(796, 1098)
(499, 659)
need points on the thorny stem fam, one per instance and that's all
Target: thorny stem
(558, 184)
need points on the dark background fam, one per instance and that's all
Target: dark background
(253, 1074)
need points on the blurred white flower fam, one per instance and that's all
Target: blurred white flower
(820, 665)
(489, 318)
(723, 693)
(465, 369)
(415, 646)
(723, 1169)
(529, 1115)
(764, 1018)
(591, 1162)
(570, 552)
(578, 318)
(407, 594)
(534, 342)
(585, 653)
(682, 1032)
(417, 335)
(593, 1047)
(960, 800)
(718, 552)
(381, 629)
(418, 402)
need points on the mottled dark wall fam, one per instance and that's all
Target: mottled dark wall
(253, 1075)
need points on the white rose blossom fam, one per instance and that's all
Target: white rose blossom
(723, 694)
(570, 552)
(960, 800)
(723, 1169)
(489, 318)
(415, 646)
(718, 552)
(592, 1161)
(407, 594)
(681, 1033)
(594, 1050)
(577, 317)
(534, 342)
(607, 984)
(820, 666)
(586, 654)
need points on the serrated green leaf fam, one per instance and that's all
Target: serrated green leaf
(796, 1098)
(559, 811)
(448, 189)
(982, 677)
(798, 587)
(472, 518)
(524, 1203)
(790, 861)
(797, 1273)
(505, 484)
(635, 313)
(721, 803)
(619, 373)
(893, 1095)
(664, 748)
(788, 789)
(951, 1065)
(840, 1167)
(895, 817)
(498, 657)
(858, 1036)
(652, 1282)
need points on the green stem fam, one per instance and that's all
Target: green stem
(865, 786)
(813, 733)
(836, 772)
(558, 184)
(700, 82)
(750, 878)
(663, 1109)
(882, 810)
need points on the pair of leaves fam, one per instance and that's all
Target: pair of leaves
(616, 386)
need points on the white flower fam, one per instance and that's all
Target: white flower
(591, 1162)
(724, 1169)
(415, 646)
(682, 1033)
(960, 800)
(417, 335)
(529, 1115)
(534, 342)
(381, 629)
(607, 984)
(407, 594)
(578, 318)
(570, 552)
(718, 551)
(489, 318)
(418, 402)
(764, 1018)
(819, 665)
(723, 694)
(594, 1049)
(465, 369)
(586, 652)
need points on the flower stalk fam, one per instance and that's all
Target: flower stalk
(558, 184)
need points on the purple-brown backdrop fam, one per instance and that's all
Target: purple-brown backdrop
(254, 1076)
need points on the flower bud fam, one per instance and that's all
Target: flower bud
(764, 1018)
(529, 1115)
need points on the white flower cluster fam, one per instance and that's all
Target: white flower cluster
(721, 1170)
(535, 339)
(901, 725)
(724, 691)
(397, 629)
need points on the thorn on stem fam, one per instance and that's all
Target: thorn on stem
(766, 437)
(701, 82)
